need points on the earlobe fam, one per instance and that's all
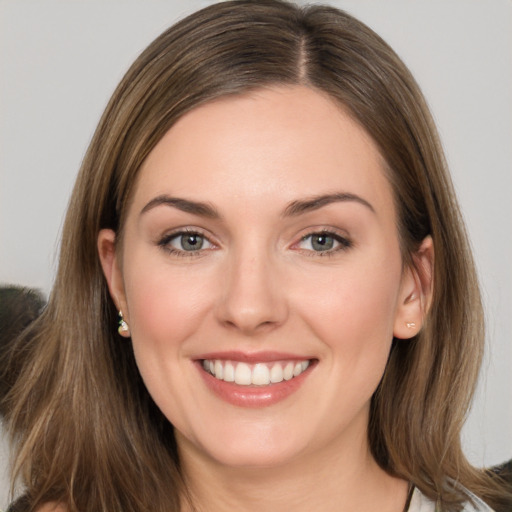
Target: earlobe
(416, 292)
(111, 270)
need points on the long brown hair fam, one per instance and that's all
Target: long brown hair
(88, 433)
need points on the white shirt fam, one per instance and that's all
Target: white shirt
(420, 503)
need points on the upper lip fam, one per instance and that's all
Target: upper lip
(253, 357)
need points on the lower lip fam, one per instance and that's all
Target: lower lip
(254, 396)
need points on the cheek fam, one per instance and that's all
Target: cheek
(166, 308)
(165, 304)
(353, 309)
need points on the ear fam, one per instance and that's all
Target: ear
(415, 292)
(111, 269)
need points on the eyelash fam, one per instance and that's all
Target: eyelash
(164, 243)
(344, 243)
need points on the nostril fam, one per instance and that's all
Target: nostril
(247, 326)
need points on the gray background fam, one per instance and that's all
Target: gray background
(60, 61)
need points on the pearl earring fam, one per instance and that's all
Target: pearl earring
(123, 328)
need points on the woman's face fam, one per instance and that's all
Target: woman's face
(261, 277)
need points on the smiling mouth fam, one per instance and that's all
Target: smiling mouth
(258, 374)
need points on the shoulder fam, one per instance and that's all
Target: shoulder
(476, 504)
(420, 503)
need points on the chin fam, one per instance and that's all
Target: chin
(251, 457)
(266, 446)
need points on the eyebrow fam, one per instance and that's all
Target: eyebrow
(185, 205)
(293, 209)
(317, 202)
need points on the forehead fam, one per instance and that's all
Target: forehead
(269, 144)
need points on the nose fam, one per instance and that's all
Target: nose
(253, 299)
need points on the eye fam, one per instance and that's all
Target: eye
(324, 242)
(185, 242)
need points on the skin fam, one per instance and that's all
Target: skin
(258, 284)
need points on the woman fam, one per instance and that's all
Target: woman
(260, 289)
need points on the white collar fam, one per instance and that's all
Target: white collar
(420, 503)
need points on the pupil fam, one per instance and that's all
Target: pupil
(322, 242)
(191, 242)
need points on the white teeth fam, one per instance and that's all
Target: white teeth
(229, 372)
(218, 369)
(243, 374)
(258, 374)
(261, 375)
(288, 371)
(276, 374)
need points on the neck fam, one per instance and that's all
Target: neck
(330, 481)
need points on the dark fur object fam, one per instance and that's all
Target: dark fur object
(19, 307)
(504, 473)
